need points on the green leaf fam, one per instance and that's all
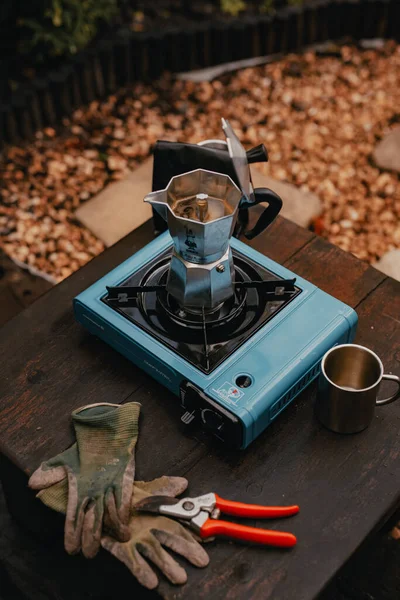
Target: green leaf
(57, 13)
(232, 7)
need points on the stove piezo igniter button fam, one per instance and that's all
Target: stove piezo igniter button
(199, 409)
(243, 381)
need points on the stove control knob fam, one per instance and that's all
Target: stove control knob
(198, 409)
(211, 419)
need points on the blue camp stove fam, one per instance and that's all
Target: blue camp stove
(235, 368)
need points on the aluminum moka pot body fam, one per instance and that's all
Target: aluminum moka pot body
(201, 209)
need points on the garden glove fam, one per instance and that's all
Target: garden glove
(100, 469)
(149, 533)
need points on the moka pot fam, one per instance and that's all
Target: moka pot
(200, 208)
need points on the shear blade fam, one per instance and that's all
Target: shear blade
(153, 503)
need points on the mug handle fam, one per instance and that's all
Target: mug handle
(268, 215)
(395, 396)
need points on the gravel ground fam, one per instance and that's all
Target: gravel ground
(320, 117)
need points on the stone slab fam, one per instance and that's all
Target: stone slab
(390, 264)
(387, 152)
(211, 73)
(298, 206)
(119, 208)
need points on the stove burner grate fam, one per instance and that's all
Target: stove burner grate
(203, 337)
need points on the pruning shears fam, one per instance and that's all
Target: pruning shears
(202, 515)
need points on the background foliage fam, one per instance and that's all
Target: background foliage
(59, 27)
(234, 7)
(54, 28)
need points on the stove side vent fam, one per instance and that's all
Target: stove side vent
(294, 390)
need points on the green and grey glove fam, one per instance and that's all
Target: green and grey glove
(100, 469)
(148, 533)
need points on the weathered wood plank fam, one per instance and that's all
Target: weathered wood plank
(281, 240)
(9, 304)
(335, 271)
(380, 313)
(346, 486)
(52, 366)
(18, 288)
(30, 570)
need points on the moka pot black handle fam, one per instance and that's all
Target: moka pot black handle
(268, 215)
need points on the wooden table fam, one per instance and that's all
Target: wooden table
(346, 486)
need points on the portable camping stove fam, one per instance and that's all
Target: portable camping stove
(235, 367)
(232, 333)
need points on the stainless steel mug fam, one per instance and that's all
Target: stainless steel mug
(348, 388)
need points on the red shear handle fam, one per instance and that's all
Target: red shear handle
(249, 534)
(239, 509)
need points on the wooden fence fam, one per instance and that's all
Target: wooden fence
(127, 56)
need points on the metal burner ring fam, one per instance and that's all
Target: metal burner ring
(198, 310)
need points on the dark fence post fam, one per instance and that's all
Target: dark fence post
(156, 53)
(8, 41)
(393, 30)
(11, 134)
(106, 56)
(374, 21)
(33, 106)
(266, 35)
(280, 32)
(45, 100)
(58, 83)
(123, 59)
